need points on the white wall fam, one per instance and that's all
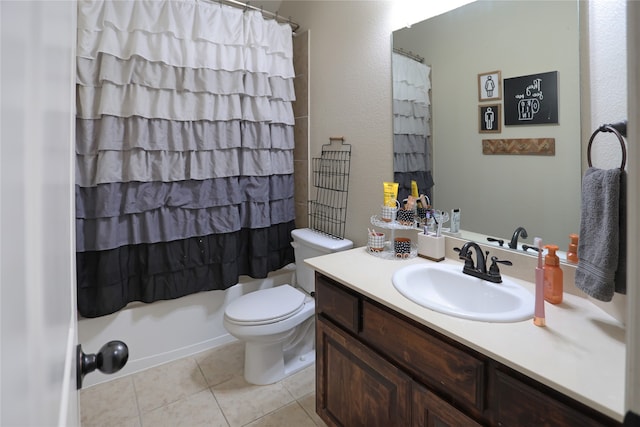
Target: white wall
(350, 94)
(608, 75)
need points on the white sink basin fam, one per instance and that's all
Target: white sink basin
(444, 288)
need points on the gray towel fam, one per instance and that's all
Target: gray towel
(621, 272)
(599, 244)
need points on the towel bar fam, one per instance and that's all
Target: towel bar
(618, 129)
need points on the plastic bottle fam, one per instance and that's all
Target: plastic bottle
(552, 276)
(572, 253)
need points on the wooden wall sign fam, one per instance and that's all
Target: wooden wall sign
(531, 100)
(522, 146)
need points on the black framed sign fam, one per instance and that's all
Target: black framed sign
(531, 100)
(489, 118)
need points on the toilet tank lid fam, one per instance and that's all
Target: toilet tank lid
(320, 240)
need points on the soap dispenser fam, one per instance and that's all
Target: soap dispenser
(572, 253)
(552, 276)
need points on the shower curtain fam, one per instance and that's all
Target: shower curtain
(184, 150)
(411, 125)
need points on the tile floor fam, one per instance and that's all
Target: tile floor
(206, 389)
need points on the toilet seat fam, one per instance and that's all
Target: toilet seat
(265, 306)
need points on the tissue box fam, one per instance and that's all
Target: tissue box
(431, 247)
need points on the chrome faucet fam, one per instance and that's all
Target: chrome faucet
(520, 232)
(479, 269)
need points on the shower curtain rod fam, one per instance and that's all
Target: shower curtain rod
(245, 6)
(408, 54)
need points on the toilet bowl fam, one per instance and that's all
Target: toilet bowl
(277, 324)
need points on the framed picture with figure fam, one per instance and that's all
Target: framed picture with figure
(490, 86)
(490, 119)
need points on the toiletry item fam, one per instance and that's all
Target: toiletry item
(425, 202)
(390, 193)
(414, 189)
(431, 247)
(405, 216)
(402, 247)
(455, 220)
(552, 276)
(388, 213)
(375, 241)
(572, 253)
(538, 317)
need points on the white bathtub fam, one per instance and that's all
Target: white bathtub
(168, 330)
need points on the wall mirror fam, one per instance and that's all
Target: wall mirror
(498, 193)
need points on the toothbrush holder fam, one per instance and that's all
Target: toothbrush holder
(431, 247)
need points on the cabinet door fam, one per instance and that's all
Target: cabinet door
(518, 404)
(431, 411)
(356, 387)
(442, 366)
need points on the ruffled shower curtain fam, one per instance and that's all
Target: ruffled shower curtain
(184, 150)
(411, 125)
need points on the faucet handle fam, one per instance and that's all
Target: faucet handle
(493, 269)
(493, 239)
(468, 261)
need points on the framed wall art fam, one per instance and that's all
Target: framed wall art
(489, 86)
(489, 119)
(531, 99)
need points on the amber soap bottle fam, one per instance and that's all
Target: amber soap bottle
(552, 276)
(572, 253)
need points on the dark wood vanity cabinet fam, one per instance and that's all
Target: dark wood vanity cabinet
(376, 367)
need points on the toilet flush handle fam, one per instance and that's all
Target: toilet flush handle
(294, 245)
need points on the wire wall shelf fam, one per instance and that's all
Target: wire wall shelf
(328, 212)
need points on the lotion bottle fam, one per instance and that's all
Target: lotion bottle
(552, 276)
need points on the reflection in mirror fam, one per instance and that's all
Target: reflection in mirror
(498, 193)
(411, 123)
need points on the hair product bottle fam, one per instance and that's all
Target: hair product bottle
(552, 276)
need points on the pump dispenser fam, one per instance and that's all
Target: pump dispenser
(552, 276)
(572, 253)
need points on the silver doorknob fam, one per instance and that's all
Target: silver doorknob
(111, 358)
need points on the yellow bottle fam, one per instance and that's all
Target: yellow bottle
(552, 276)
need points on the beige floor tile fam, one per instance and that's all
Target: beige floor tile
(109, 404)
(168, 383)
(301, 383)
(222, 363)
(291, 415)
(200, 409)
(242, 402)
(308, 402)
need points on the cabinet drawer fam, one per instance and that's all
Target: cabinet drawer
(520, 404)
(337, 303)
(435, 362)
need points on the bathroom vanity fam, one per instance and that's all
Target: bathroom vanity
(383, 360)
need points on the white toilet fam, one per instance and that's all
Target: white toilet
(277, 324)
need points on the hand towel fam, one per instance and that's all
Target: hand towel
(599, 244)
(621, 272)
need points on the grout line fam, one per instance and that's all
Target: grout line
(135, 393)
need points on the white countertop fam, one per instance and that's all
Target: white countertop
(581, 351)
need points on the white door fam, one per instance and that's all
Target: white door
(37, 260)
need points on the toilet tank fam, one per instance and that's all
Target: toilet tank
(308, 243)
